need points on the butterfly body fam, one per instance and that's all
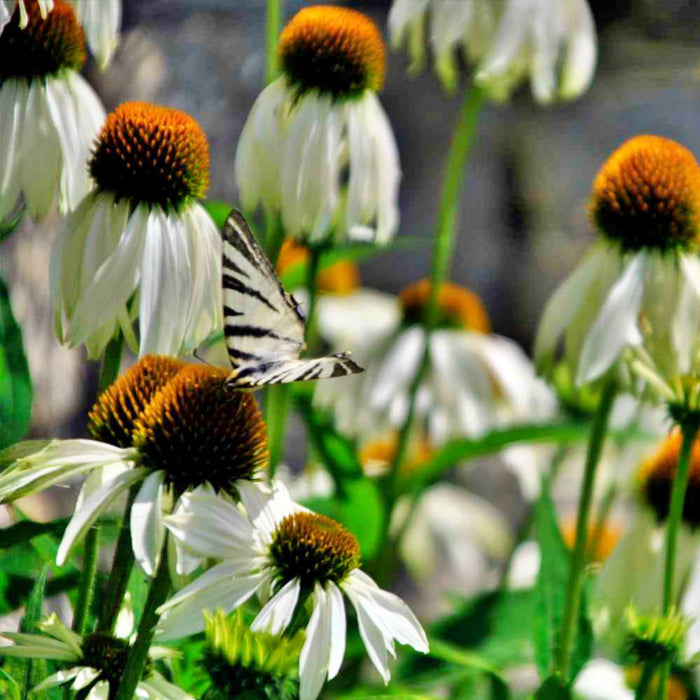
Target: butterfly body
(263, 323)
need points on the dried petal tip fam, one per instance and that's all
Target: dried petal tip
(647, 195)
(157, 155)
(114, 415)
(333, 50)
(457, 306)
(45, 46)
(197, 430)
(658, 472)
(314, 548)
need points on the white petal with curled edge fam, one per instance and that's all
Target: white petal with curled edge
(279, 610)
(159, 689)
(93, 506)
(147, 531)
(338, 629)
(58, 678)
(617, 324)
(315, 654)
(226, 592)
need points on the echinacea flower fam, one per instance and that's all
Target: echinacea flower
(240, 661)
(287, 555)
(317, 147)
(639, 288)
(97, 662)
(551, 42)
(476, 380)
(141, 230)
(165, 428)
(49, 114)
(101, 20)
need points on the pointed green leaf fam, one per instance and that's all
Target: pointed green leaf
(15, 382)
(35, 669)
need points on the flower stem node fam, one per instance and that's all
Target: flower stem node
(647, 196)
(196, 429)
(153, 154)
(242, 663)
(656, 638)
(334, 50)
(314, 548)
(114, 415)
(47, 45)
(457, 307)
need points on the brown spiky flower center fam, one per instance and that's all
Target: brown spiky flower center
(152, 154)
(114, 415)
(313, 548)
(333, 50)
(106, 654)
(647, 195)
(457, 307)
(196, 429)
(45, 46)
(658, 472)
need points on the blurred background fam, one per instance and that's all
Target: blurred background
(523, 221)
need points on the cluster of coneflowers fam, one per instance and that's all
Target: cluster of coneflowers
(184, 455)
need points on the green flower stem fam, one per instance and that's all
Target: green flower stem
(138, 654)
(87, 580)
(111, 361)
(443, 249)
(575, 583)
(642, 690)
(274, 236)
(276, 408)
(675, 514)
(272, 32)
(121, 571)
(312, 269)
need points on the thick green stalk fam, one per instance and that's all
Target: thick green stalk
(87, 580)
(443, 248)
(577, 568)
(274, 236)
(272, 32)
(122, 565)
(312, 269)
(138, 654)
(276, 408)
(642, 690)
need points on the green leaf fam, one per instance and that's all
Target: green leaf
(15, 382)
(550, 594)
(9, 688)
(553, 689)
(28, 530)
(35, 669)
(218, 211)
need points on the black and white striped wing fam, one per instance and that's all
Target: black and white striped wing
(261, 320)
(263, 324)
(285, 371)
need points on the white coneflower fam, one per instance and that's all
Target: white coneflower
(286, 554)
(476, 380)
(317, 146)
(49, 114)
(143, 229)
(640, 285)
(165, 425)
(551, 42)
(97, 662)
(101, 20)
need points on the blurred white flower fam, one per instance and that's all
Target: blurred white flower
(101, 20)
(164, 427)
(141, 231)
(287, 555)
(317, 146)
(477, 381)
(98, 662)
(640, 285)
(601, 679)
(50, 115)
(551, 42)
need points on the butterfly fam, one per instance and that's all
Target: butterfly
(264, 324)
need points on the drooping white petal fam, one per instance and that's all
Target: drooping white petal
(401, 15)
(338, 625)
(101, 21)
(13, 105)
(617, 324)
(34, 646)
(58, 678)
(217, 588)
(277, 613)
(85, 676)
(315, 654)
(41, 152)
(546, 32)
(159, 689)
(581, 51)
(93, 506)
(147, 531)
(99, 691)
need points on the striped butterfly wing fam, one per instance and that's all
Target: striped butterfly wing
(263, 323)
